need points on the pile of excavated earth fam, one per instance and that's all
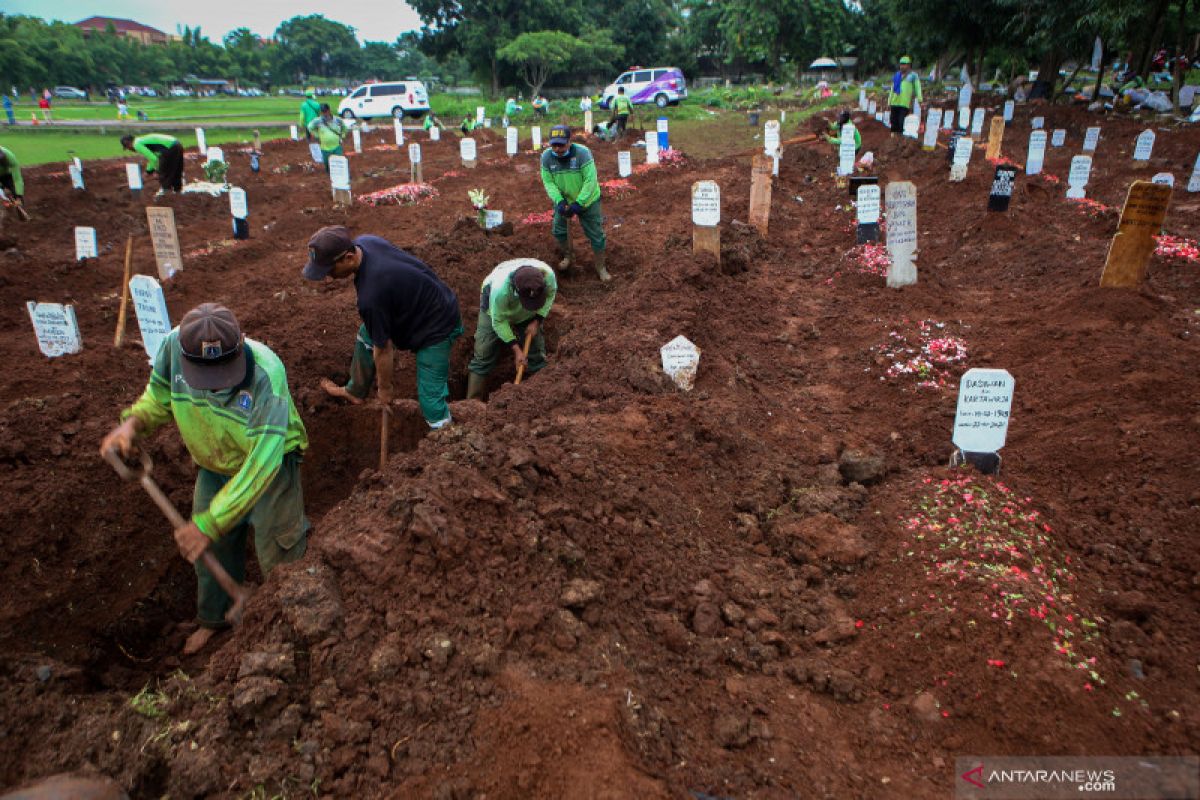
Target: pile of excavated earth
(597, 584)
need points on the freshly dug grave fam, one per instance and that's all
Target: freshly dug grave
(597, 585)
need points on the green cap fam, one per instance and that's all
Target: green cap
(905, 60)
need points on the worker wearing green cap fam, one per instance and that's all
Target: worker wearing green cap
(906, 87)
(310, 109)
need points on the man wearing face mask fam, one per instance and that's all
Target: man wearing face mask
(569, 175)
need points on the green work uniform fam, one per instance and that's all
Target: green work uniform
(310, 109)
(910, 88)
(502, 318)
(433, 372)
(621, 105)
(151, 145)
(428, 123)
(248, 442)
(329, 133)
(573, 178)
(837, 140)
(10, 174)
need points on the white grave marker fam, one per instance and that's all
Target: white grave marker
(85, 243)
(962, 157)
(1037, 122)
(901, 201)
(511, 142)
(356, 137)
(295, 134)
(771, 137)
(977, 122)
(964, 99)
(339, 173)
(624, 164)
(133, 174)
(1077, 178)
(984, 401)
(863, 105)
(314, 152)
(651, 147)
(916, 109)
(1194, 181)
(1144, 146)
(680, 360)
(76, 173)
(1058, 138)
(466, 151)
(1165, 178)
(1037, 153)
(492, 219)
(931, 129)
(414, 153)
(479, 112)
(398, 130)
(706, 204)
(214, 154)
(201, 143)
(964, 117)
(56, 328)
(1009, 105)
(151, 308)
(238, 206)
(846, 150)
(435, 134)
(1091, 139)
(868, 204)
(535, 134)
(912, 126)
(873, 108)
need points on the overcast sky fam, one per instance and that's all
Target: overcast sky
(374, 20)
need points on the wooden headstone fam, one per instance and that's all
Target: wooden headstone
(480, 111)
(1144, 146)
(1077, 178)
(314, 152)
(863, 104)
(151, 308)
(771, 137)
(995, 138)
(873, 108)
(56, 328)
(1003, 182)
(1091, 139)
(466, 151)
(1164, 179)
(867, 208)
(1037, 123)
(901, 201)
(1037, 153)
(294, 133)
(161, 221)
(760, 193)
(912, 126)
(339, 180)
(964, 117)
(1141, 220)
(706, 218)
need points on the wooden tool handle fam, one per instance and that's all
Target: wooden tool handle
(524, 352)
(384, 425)
(119, 336)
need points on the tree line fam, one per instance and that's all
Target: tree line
(505, 43)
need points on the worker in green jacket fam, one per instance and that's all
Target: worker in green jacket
(164, 157)
(906, 87)
(835, 135)
(310, 109)
(514, 300)
(569, 175)
(229, 397)
(468, 124)
(622, 108)
(329, 131)
(10, 176)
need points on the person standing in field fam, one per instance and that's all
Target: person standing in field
(906, 87)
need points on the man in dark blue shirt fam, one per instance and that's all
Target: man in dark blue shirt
(403, 306)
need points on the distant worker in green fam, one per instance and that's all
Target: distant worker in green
(906, 87)
(310, 109)
(164, 158)
(329, 131)
(622, 108)
(836, 128)
(10, 176)
(569, 177)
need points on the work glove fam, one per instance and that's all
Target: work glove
(563, 208)
(577, 209)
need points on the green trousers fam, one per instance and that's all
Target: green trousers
(280, 535)
(325, 154)
(433, 372)
(488, 344)
(592, 222)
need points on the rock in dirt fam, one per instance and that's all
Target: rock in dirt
(257, 696)
(670, 631)
(644, 374)
(732, 730)
(824, 677)
(1132, 605)
(68, 787)
(706, 619)
(823, 538)
(839, 630)
(387, 659)
(858, 466)
(732, 613)
(438, 650)
(580, 593)
(277, 661)
(310, 603)
(925, 708)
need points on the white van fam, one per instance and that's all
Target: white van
(397, 99)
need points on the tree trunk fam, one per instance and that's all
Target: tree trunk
(1151, 41)
(495, 77)
(1177, 67)
(1100, 74)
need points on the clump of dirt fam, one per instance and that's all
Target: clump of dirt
(600, 579)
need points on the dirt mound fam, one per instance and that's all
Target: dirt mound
(598, 580)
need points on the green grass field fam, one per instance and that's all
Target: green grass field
(40, 147)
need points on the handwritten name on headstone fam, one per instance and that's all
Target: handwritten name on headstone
(164, 237)
(962, 157)
(76, 173)
(511, 141)
(1091, 138)
(1003, 182)
(1144, 146)
(680, 361)
(339, 172)
(238, 206)
(1037, 153)
(846, 150)
(1058, 138)
(133, 174)
(912, 126)
(535, 135)
(466, 151)
(932, 123)
(1141, 220)
(624, 163)
(977, 122)
(1078, 177)
(1164, 178)
(984, 404)
(414, 153)
(1009, 105)
(55, 327)
(867, 206)
(201, 142)
(150, 306)
(706, 204)
(85, 243)
(771, 137)
(651, 141)
(900, 200)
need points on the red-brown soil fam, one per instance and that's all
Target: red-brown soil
(599, 586)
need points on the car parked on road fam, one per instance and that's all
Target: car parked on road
(70, 93)
(662, 86)
(397, 99)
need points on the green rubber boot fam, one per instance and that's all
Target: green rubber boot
(475, 386)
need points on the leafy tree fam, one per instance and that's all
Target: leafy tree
(540, 54)
(314, 45)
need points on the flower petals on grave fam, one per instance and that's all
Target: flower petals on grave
(404, 194)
